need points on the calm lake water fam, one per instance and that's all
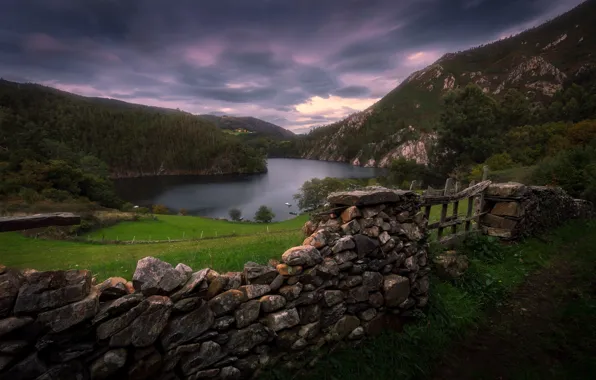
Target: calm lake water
(213, 196)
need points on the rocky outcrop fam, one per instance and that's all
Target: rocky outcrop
(534, 67)
(342, 285)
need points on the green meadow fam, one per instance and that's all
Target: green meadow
(175, 227)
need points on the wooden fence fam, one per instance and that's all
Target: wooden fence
(448, 232)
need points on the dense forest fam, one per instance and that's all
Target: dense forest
(56, 141)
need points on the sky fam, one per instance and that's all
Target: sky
(294, 63)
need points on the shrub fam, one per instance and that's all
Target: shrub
(160, 209)
(264, 214)
(127, 207)
(55, 194)
(183, 212)
(142, 210)
(572, 170)
(500, 161)
(30, 195)
(235, 214)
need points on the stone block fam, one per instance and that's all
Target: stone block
(370, 197)
(506, 190)
(155, 277)
(512, 209)
(48, 290)
(490, 220)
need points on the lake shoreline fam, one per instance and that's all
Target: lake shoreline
(197, 173)
(214, 195)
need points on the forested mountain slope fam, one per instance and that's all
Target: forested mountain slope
(38, 122)
(536, 62)
(251, 124)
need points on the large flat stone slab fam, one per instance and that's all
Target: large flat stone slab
(506, 190)
(369, 197)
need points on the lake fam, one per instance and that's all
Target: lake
(213, 196)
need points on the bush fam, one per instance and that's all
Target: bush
(573, 170)
(183, 212)
(30, 195)
(55, 194)
(313, 194)
(141, 210)
(160, 209)
(264, 215)
(235, 214)
(127, 207)
(500, 161)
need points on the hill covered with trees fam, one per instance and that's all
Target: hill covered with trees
(51, 139)
(250, 124)
(537, 64)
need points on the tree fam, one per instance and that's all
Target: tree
(160, 209)
(500, 161)
(264, 214)
(404, 170)
(573, 170)
(514, 109)
(313, 194)
(469, 131)
(235, 214)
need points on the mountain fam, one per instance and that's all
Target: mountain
(536, 62)
(251, 124)
(42, 123)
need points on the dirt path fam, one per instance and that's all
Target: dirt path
(546, 330)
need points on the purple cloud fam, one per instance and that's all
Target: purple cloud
(294, 63)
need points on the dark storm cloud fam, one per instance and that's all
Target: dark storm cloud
(299, 63)
(352, 91)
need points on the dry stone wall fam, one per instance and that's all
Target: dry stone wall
(516, 211)
(362, 268)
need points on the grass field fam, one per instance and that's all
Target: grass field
(223, 254)
(186, 227)
(176, 227)
(252, 243)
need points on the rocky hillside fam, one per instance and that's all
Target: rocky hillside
(251, 124)
(536, 62)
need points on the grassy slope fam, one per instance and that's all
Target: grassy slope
(173, 227)
(454, 309)
(222, 254)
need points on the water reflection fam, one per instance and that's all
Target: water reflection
(213, 196)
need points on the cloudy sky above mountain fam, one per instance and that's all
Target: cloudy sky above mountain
(296, 63)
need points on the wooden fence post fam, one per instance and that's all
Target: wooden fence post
(448, 186)
(481, 197)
